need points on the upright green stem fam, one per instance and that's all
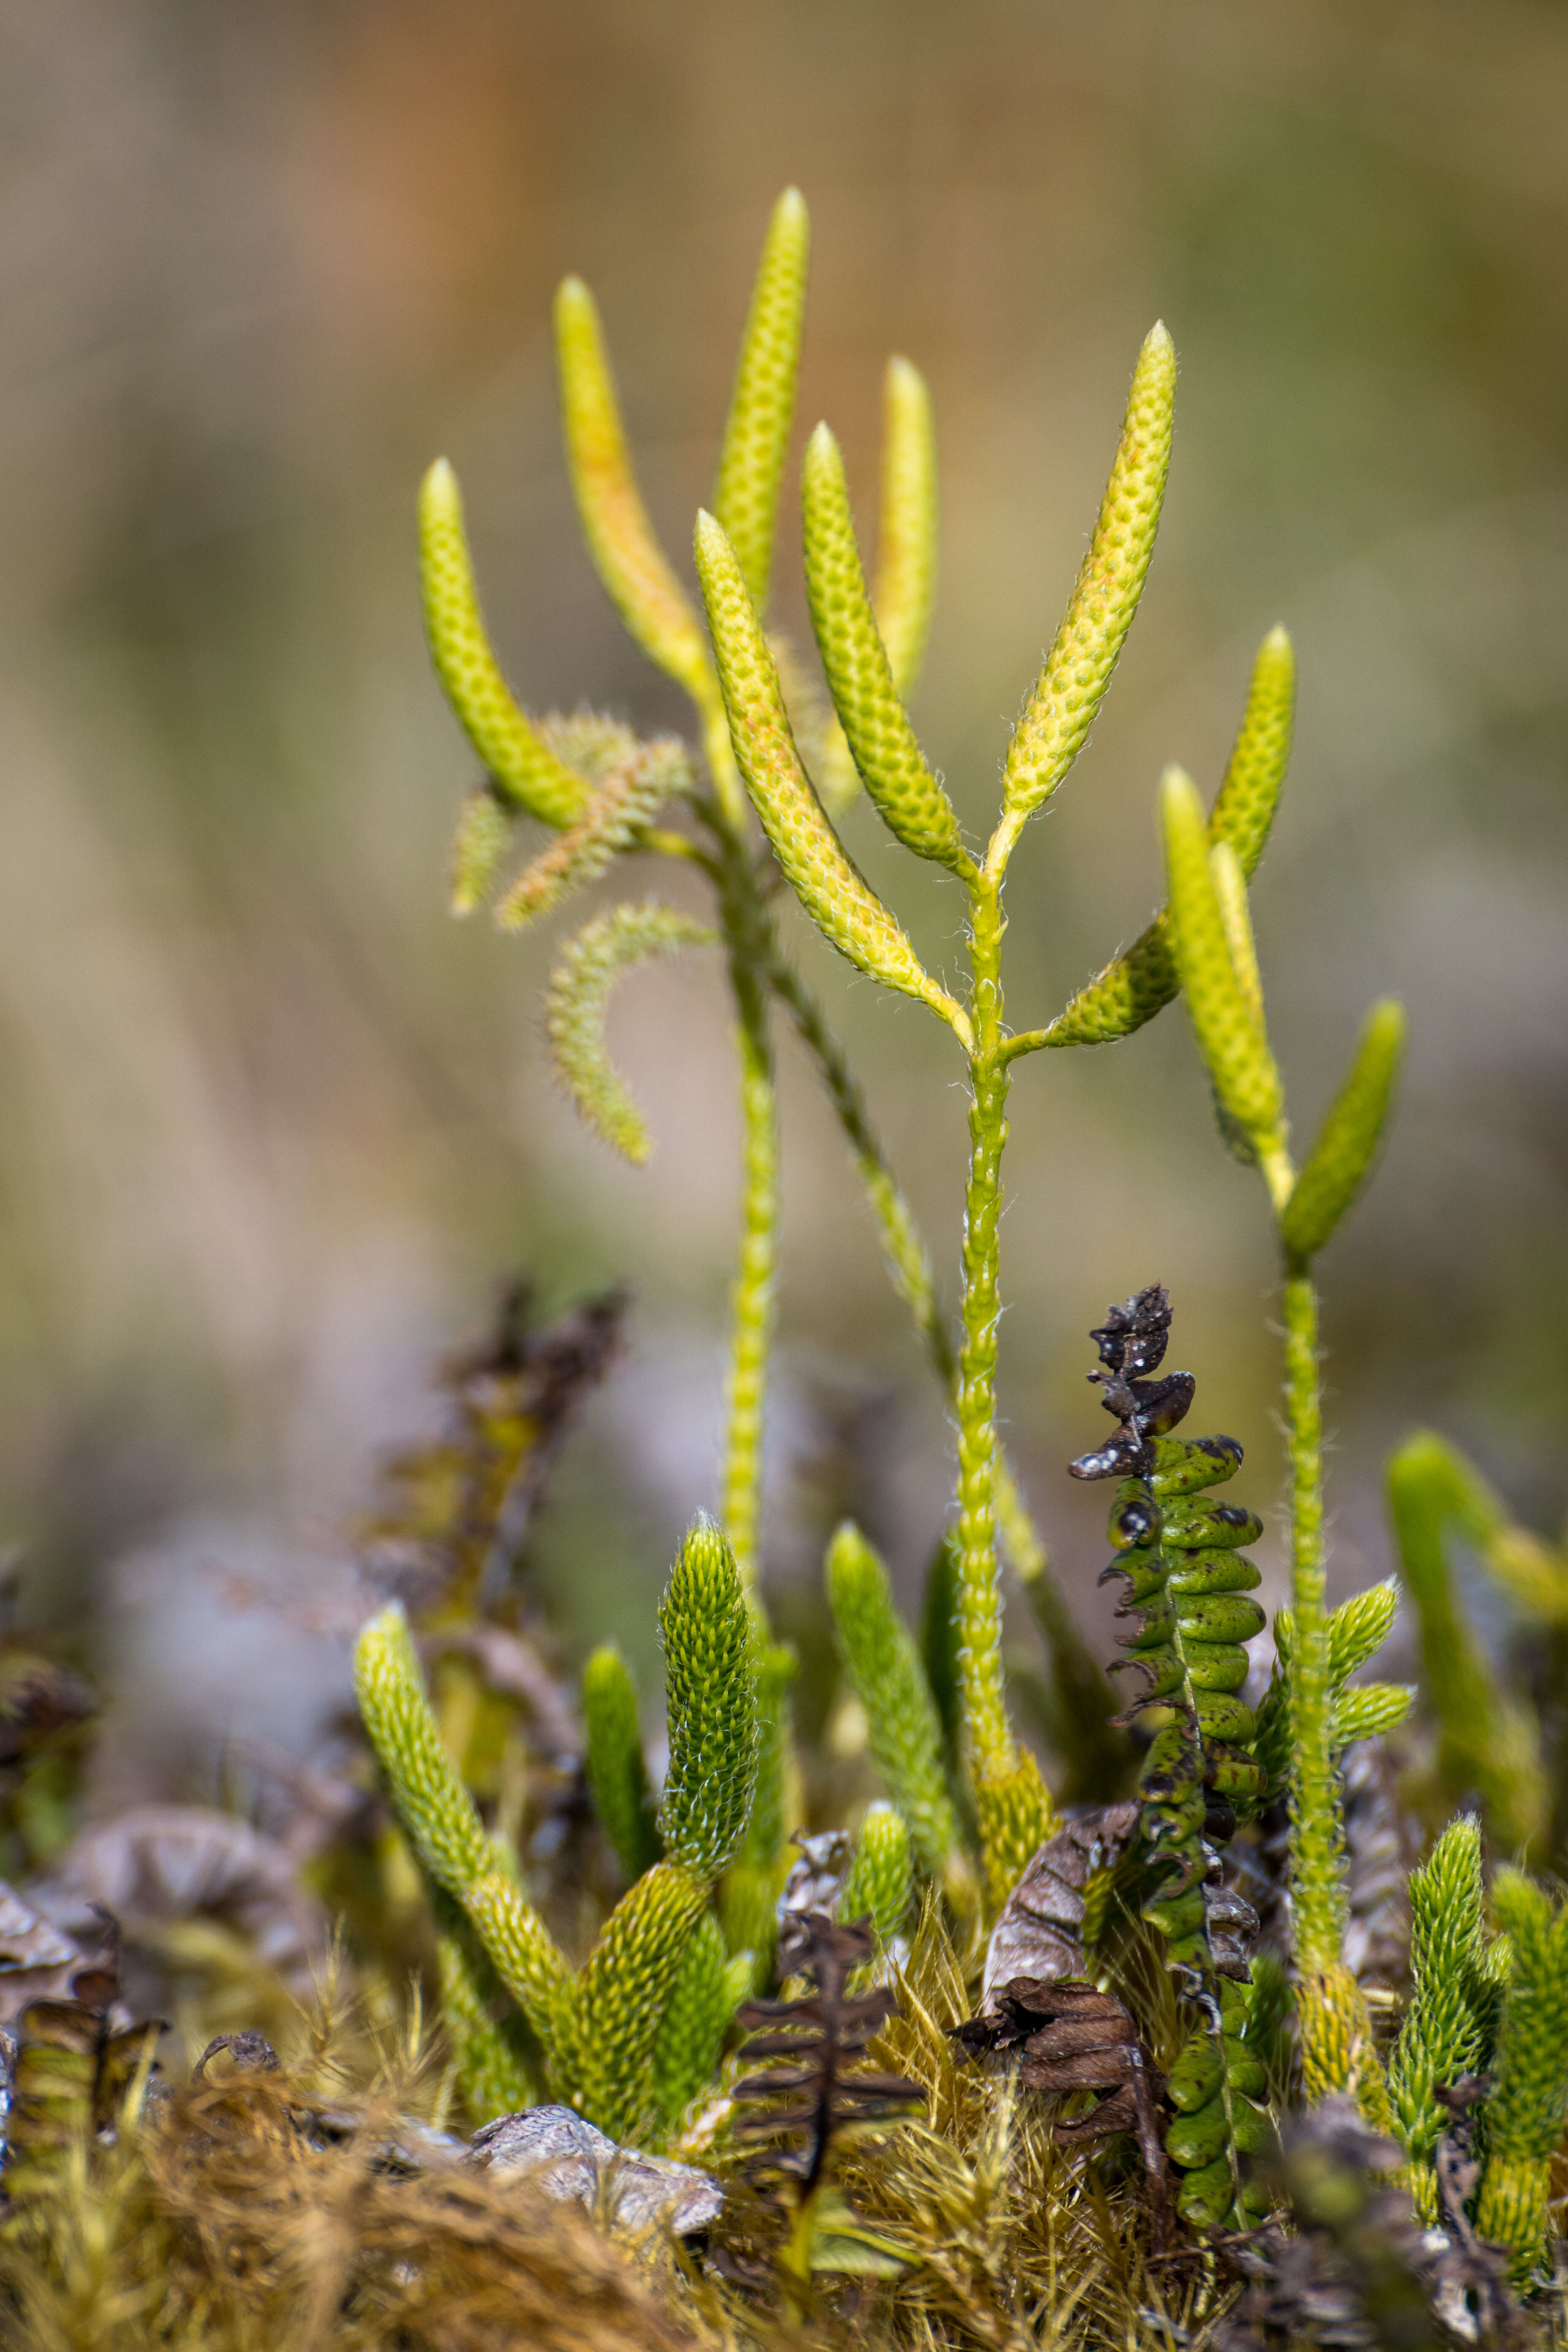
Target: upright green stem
(747, 942)
(1098, 1755)
(979, 1612)
(1317, 1898)
(1338, 2049)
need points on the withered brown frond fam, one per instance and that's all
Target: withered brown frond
(1054, 1915)
(456, 1511)
(820, 2083)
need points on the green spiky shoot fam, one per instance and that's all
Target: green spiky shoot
(1525, 2115)
(1211, 938)
(596, 2031)
(614, 2008)
(1444, 2035)
(692, 2029)
(630, 562)
(1356, 1632)
(1489, 1740)
(889, 1679)
(442, 1823)
(1341, 1159)
(484, 828)
(617, 1776)
(711, 1678)
(878, 1884)
(905, 590)
(577, 1003)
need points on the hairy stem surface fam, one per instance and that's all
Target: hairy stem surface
(1338, 2051)
(1318, 1908)
(747, 943)
(979, 1611)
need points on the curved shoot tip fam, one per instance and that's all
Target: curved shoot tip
(1347, 1144)
(830, 887)
(1089, 641)
(576, 1007)
(388, 1619)
(526, 773)
(1230, 1033)
(905, 590)
(1179, 799)
(762, 404)
(859, 676)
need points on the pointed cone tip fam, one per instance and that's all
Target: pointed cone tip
(822, 455)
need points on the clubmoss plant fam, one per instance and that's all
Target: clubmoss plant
(879, 1882)
(1012, 1807)
(1525, 2113)
(1216, 963)
(597, 2028)
(601, 792)
(888, 1677)
(635, 2035)
(1489, 1742)
(1448, 2029)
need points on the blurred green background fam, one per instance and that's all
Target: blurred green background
(275, 1127)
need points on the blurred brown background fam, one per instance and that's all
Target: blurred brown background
(274, 1127)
